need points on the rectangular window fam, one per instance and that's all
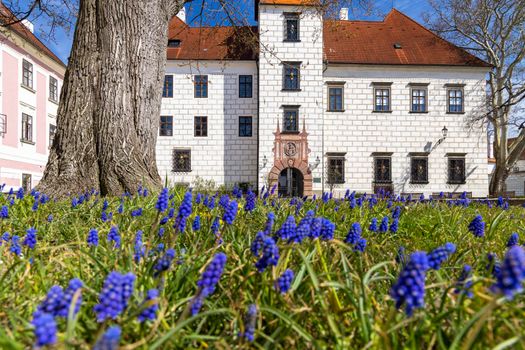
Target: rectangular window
(166, 125)
(201, 86)
(382, 99)
(291, 27)
(419, 100)
(167, 90)
(181, 161)
(382, 169)
(201, 126)
(53, 89)
(456, 170)
(245, 86)
(245, 126)
(335, 98)
(174, 43)
(27, 128)
(291, 120)
(27, 182)
(27, 74)
(52, 132)
(336, 169)
(291, 76)
(455, 100)
(419, 169)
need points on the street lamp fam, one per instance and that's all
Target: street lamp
(444, 132)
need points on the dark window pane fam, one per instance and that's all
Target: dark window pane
(336, 170)
(292, 28)
(456, 170)
(173, 43)
(181, 160)
(166, 125)
(27, 74)
(201, 86)
(27, 127)
(291, 76)
(245, 86)
(419, 100)
(419, 170)
(455, 100)
(335, 102)
(53, 89)
(201, 126)
(291, 120)
(167, 90)
(245, 126)
(382, 100)
(382, 170)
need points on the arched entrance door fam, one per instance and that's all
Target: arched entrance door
(291, 183)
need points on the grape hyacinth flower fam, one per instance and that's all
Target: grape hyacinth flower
(396, 213)
(250, 320)
(327, 229)
(257, 243)
(509, 281)
(287, 229)
(45, 329)
(269, 223)
(230, 213)
(164, 263)
(354, 234)
(394, 226)
(316, 227)
(114, 297)
(196, 223)
(50, 218)
(270, 254)
(384, 225)
(410, 286)
(4, 213)
(250, 201)
(208, 281)
(464, 282)
(137, 212)
(513, 240)
(373, 225)
(114, 236)
(30, 238)
(74, 285)
(439, 255)
(15, 247)
(52, 303)
(284, 282)
(92, 239)
(110, 340)
(224, 201)
(5, 238)
(150, 313)
(215, 225)
(360, 246)
(162, 201)
(139, 248)
(477, 226)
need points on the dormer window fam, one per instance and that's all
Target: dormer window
(291, 27)
(174, 43)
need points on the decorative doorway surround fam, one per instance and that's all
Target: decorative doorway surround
(291, 151)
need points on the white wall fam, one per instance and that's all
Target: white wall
(222, 156)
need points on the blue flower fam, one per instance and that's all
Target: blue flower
(5, 238)
(327, 229)
(269, 223)
(15, 247)
(396, 213)
(509, 281)
(270, 254)
(439, 255)
(464, 282)
(477, 226)
(114, 297)
(215, 225)
(53, 302)
(74, 285)
(384, 225)
(150, 313)
(354, 234)
(250, 201)
(137, 212)
(213, 272)
(287, 229)
(139, 249)
(257, 243)
(360, 246)
(373, 225)
(164, 263)
(30, 238)
(45, 329)
(162, 201)
(196, 223)
(513, 240)
(105, 205)
(410, 286)
(401, 257)
(20, 193)
(4, 213)
(250, 320)
(224, 201)
(316, 227)
(394, 226)
(284, 282)
(114, 236)
(110, 340)
(303, 229)
(230, 213)
(92, 239)
(50, 218)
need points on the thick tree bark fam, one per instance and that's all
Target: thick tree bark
(110, 102)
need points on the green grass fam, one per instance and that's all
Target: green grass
(339, 298)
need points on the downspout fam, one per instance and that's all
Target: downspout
(325, 67)
(258, 138)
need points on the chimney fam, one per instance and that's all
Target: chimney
(182, 14)
(343, 14)
(28, 25)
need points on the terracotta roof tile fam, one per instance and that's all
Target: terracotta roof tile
(368, 42)
(6, 16)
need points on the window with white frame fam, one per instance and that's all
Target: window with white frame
(27, 74)
(27, 128)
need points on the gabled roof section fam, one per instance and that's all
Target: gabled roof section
(212, 43)
(397, 40)
(6, 16)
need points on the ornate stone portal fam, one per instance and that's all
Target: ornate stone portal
(291, 152)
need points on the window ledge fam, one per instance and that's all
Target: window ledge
(374, 111)
(243, 97)
(52, 101)
(291, 90)
(291, 40)
(167, 96)
(456, 183)
(419, 182)
(290, 132)
(28, 88)
(200, 96)
(336, 183)
(416, 112)
(181, 171)
(382, 182)
(335, 111)
(455, 112)
(29, 142)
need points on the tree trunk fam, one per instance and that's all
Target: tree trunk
(109, 108)
(497, 182)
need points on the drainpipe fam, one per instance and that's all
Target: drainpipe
(258, 136)
(325, 67)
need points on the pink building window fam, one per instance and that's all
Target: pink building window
(53, 89)
(27, 74)
(27, 128)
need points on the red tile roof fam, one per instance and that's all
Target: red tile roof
(367, 42)
(290, 2)
(345, 42)
(6, 16)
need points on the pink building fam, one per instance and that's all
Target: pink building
(30, 81)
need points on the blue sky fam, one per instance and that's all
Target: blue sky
(61, 44)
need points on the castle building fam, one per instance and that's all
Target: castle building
(31, 77)
(314, 105)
